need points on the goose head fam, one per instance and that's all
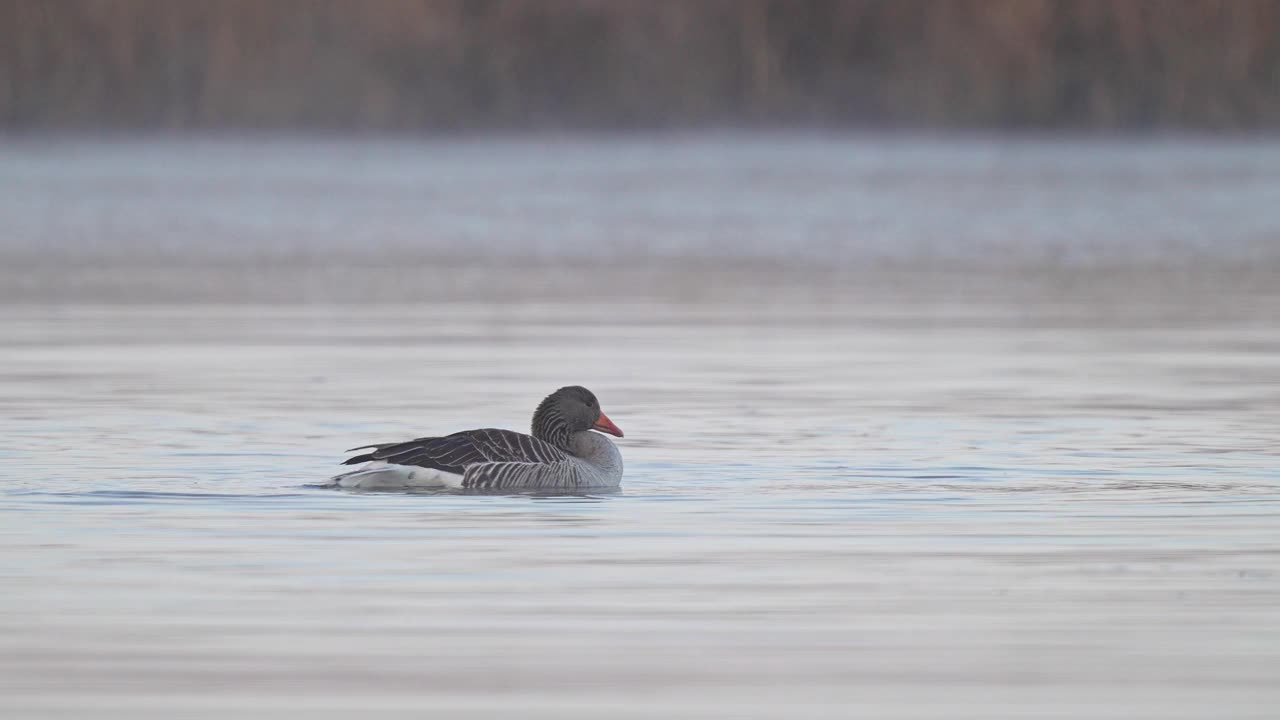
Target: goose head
(568, 411)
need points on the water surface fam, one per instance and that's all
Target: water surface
(903, 490)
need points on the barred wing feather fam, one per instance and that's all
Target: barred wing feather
(465, 450)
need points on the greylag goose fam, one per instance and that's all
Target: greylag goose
(561, 454)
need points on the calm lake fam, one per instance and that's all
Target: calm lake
(915, 428)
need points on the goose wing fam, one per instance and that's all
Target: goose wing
(455, 453)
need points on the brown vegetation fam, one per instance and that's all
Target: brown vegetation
(411, 64)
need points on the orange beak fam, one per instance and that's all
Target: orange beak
(605, 425)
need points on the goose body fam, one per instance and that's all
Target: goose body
(565, 452)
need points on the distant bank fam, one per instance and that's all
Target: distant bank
(576, 64)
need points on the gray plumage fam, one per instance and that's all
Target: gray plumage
(562, 453)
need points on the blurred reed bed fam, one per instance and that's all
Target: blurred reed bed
(449, 64)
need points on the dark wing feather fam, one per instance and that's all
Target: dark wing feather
(453, 453)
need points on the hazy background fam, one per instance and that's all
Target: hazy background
(408, 65)
(944, 336)
(353, 150)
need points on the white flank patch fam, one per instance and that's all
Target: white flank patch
(378, 475)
